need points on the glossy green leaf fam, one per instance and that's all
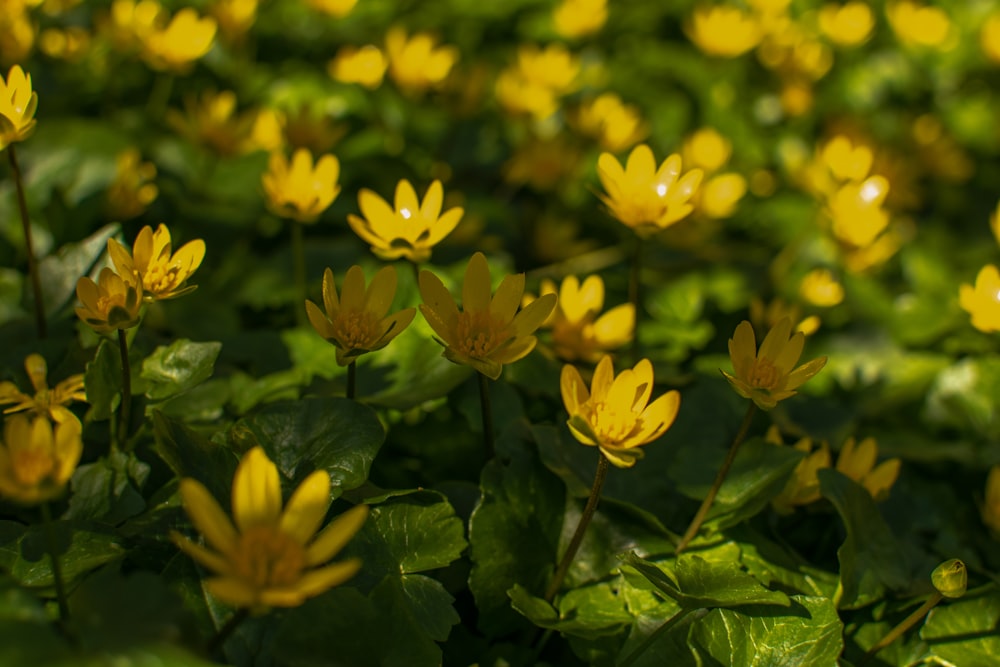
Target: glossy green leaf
(108, 489)
(963, 632)
(89, 548)
(775, 566)
(589, 611)
(178, 367)
(103, 379)
(190, 454)
(60, 271)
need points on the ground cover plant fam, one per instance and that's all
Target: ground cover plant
(539, 332)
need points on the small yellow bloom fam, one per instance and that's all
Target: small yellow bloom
(857, 461)
(616, 415)
(364, 66)
(616, 125)
(234, 17)
(643, 197)
(132, 190)
(48, 402)
(16, 25)
(211, 120)
(298, 190)
(109, 304)
(706, 148)
(132, 22)
(521, 96)
(71, 44)
(411, 229)
(161, 274)
(765, 316)
(982, 302)
(719, 195)
(416, 63)
(845, 160)
(769, 375)
(553, 67)
(723, 31)
(177, 45)
(919, 25)
(850, 24)
(489, 331)
(335, 8)
(802, 488)
(856, 212)
(820, 288)
(989, 38)
(579, 329)
(270, 557)
(991, 504)
(356, 322)
(17, 107)
(38, 458)
(577, 18)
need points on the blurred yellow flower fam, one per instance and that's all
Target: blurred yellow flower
(521, 96)
(767, 315)
(991, 504)
(989, 38)
(856, 211)
(820, 288)
(577, 18)
(719, 194)
(132, 190)
(707, 149)
(18, 33)
(70, 44)
(539, 78)
(843, 161)
(270, 557)
(489, 331)
(995, 223)
(234, 17)
(857, 461)
(161, 274)
(411, 229)
(723, 31)
(335, 8)
(17, 107)
(50, 403)
(211, 120)
(643, 197)
(544, 164)
(802, 488)
(982, 302)
(615, 414)
(309, 126)
(615, 125)
(416, 63)
(850, 24)
(365, 66)
(919, 25)
(356, 322)
(131, 22)
(579, 329)
(38, 458)
(184, 40)
(297, 190)
(109, 304)
(267, 131)
(769, 375)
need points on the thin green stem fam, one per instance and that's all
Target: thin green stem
(903, 626)
(706, 504)
(416, 272)
(36, 281)
(352, 379)
(299, 261)
(50, 543)
(664, 628)
(489, 437)
(226, 631)
(124, 416)
(635, 296)
(581, 528)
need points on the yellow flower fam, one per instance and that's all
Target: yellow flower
(38, 458)
(267, 131)
(410, 230)
(579, 330)
(820, 288)
(857, 461)
(802, 488)
(856, 211)
(489, 331)
(995, 223)
(356, 322)
(643, 197)
(235, 17)
(364, 66)
(270, 557)
(576, 18)
(991, 504)
(19, 34)
(335, 8)
(850, 24)
(765, 316)
(719, 194)
(109, 304)
(211, 120)
(616, 415)
(71, 44)
(309, 126)
(982, 302)
(846, 161)
(132, 190)
(989, 38)
(723, 31)
(48, 402)
(161, 274)
(769, 375)
(518, 95)
(17, 107)
(132, 22)
(919, 25)
(706, 149)
(614, 124)
(298, 190)
(177, 45)
(415, 63)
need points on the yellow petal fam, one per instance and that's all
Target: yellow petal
(256, 491)
(336, 535)
(208, 517)
(233, 591)
(352, 291)
(209, 559)
(775, 340)
(507, 298)
(532, 315)
(476, 285)
(307, 507)
(574, 391)
(381, 291)
(330, 300)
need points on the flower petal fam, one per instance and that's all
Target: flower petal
(307, 507)
(208, 517)
(256, 491)
(337, 534)
(476, 285)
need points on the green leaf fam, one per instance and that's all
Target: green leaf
(586, 612)
(334, 434)
(189, 454)
(89, 548)
(176, 368)
(871, 559)
(60, 272)
(103, 380)
(27, 637)
(108, 489)
(965, 395)
(771, 564)
(964, 632)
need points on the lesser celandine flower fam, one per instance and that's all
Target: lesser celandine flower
(270, 557)
(234, 17)
(356, 321)
(489, 331)
(989, 38)
(615, 414)
(577, 18)
(18, 31)
(723, 31)
(364, 65)
(856, 213)
(409, 230)
(132, 189)
(579, 329)
(766, 315)
(161, 272)
(37, 457)
(982, 301)
(646, 198)
(718, 195)
(769, 375)
(857, 461)
(17, 107)
(416, 63)
(991, 503)
(211, 120)
(821, 288)
(335, 8)
(48, 402)
(616, 125)
(299, 190)
(540, 77)
(919, 25)
(110, 304)
(177, 45)
(802, 488)
(850, 24)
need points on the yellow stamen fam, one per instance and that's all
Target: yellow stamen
(268, 557)
(478, 334)
(357, 329)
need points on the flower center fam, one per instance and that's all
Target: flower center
(764, 375)
(160, 278)
(477, 334)
(107, 302)
(611, 423)
(357, 329)
(268, 557)
(32, 465)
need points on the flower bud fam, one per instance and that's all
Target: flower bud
(950, 578)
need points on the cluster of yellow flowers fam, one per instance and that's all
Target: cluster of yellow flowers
(416, 63)
(982, 300)
(534, 84)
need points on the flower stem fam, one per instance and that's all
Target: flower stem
(36, 281)
(664, 627)
(581, 528)
(352, 379)
(124, 416)
(903, 626)
(634, 296)
(299, 261)
(226, 631)
(706, 504)
(50, 543)
(487, 413)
